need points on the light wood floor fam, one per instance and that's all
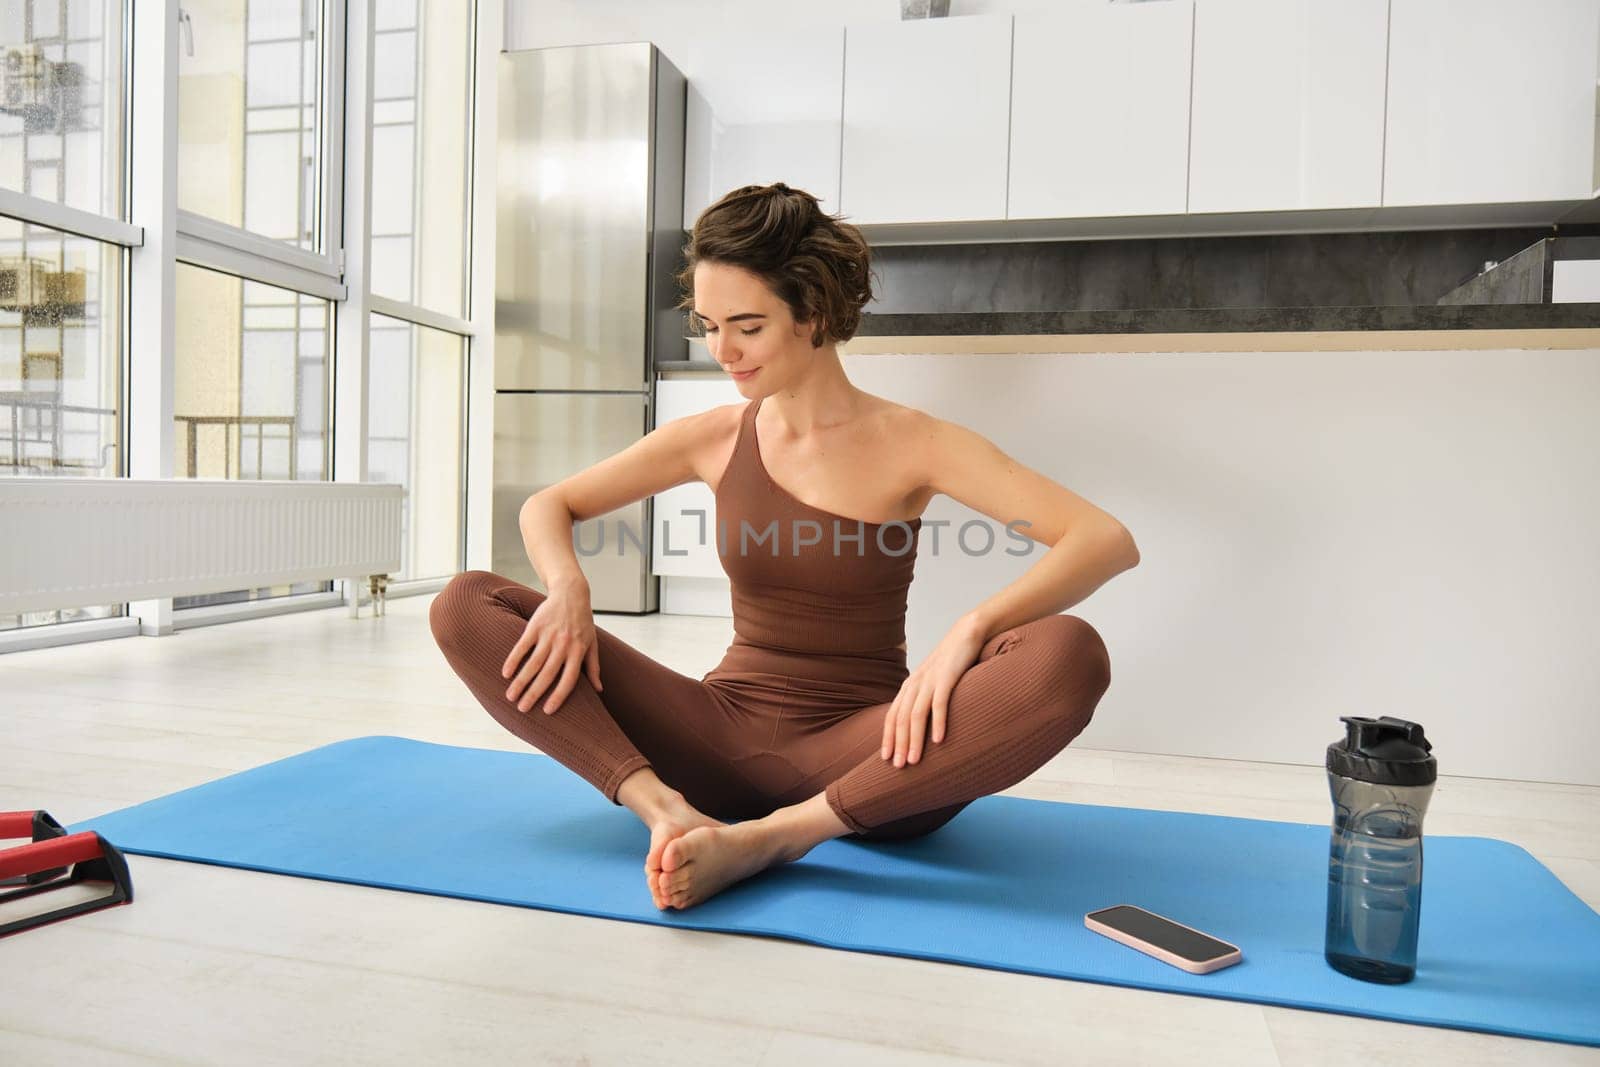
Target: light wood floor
(219, 966)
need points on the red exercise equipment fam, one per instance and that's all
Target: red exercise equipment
(54, 860)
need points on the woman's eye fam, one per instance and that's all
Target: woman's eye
(747, 333)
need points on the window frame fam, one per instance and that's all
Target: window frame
(208, 242)
(156, 235)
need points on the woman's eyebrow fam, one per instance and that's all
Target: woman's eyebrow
(736, 318)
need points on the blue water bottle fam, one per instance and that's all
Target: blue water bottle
(1381, 775)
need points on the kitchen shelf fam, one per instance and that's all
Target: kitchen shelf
(1280, 329)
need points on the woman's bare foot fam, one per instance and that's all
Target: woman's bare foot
(706, 860)
(666, 827)
(668, 814)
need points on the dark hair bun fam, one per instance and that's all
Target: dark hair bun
(818, 265)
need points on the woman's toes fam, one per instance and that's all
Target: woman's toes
(680, 850)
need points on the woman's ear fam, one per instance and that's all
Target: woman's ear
(806, 330)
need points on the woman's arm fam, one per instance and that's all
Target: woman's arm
(1088, 546)
(546, 525)
(1078, 564)
(669, 455)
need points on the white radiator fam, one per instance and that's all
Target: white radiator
(74, 542)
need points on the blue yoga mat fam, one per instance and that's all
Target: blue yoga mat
(1505, 947)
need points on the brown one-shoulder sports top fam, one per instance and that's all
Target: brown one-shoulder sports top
(805, 579)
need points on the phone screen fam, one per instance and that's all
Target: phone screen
(1176, 939)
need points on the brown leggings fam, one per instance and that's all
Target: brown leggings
(766, 728)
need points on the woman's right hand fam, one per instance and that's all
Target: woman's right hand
(559, 640)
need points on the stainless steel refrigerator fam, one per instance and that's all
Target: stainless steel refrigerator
(589, 227)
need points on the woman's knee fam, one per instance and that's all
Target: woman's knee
(1078, 657)
(454, 608)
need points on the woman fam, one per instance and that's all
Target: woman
(811, 727)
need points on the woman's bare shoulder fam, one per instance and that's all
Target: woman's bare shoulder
(907, 427)
(904, 438)
(716, 430)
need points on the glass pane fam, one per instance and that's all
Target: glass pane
(248, 142)
(422, 75)
(61, 306)
(61, 102)
(394, 14)
(416, 399)
(250, 391)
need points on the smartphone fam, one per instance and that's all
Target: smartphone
(1168, 941)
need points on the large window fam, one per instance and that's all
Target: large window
(271, 321)
(261, 260)
(250, 74)
(61, 93)
(250, 391)
(61, 292)
(421, 118)
(251, 380)
(415, 421)
(60, 340)
(423, 71)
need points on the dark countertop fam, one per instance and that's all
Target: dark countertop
(1238, 320)
(1431, 326)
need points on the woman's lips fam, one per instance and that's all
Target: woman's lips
(740, 376)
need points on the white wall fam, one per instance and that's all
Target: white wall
(1322, 534)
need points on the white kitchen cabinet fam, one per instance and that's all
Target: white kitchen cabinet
(1100, 111)
(760, 113)
(925, 109)
(1490, 101)
(684, 541)
(1287, 107)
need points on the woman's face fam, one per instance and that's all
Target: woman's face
(749, 330)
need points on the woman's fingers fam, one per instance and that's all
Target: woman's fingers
(519, 652)
(529, 668)
(534, 678)
(920, 724)
(569, 678)
(551, 670)
(902, 728)
(887, 748)
(554, 662)
(920, 711)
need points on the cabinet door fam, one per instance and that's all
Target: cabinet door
(1490, 102)
(925, 106)
(684, 537)
(761, 112)
(1287, 110)
(1100, 111)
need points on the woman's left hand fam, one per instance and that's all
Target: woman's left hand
(927, 689)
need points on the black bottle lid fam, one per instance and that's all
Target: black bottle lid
(1386, 751)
